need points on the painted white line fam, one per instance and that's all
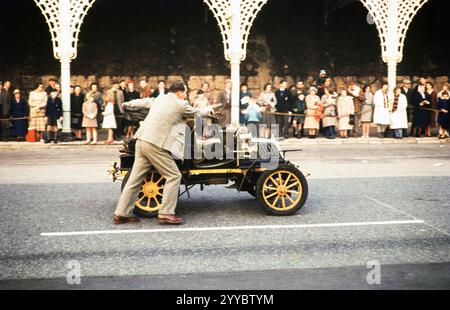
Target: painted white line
(407, 214)
(226, 228)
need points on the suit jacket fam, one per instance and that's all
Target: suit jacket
(283, 100)
(165, 125)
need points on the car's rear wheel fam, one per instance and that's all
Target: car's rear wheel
(282, 191)
(150, 196)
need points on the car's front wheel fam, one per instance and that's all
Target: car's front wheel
(282, 191)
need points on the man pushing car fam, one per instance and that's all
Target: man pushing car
(160, 138)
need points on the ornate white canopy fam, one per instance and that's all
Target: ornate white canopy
(64, 19)
(54, 13)
(392, 18)
(223, 12)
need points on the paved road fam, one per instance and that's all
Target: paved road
(368, 203)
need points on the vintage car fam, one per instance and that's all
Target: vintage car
(252, 165)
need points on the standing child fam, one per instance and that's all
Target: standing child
(253, 116)
(54, 112)
(90, 119)
(298, 108)
(109, 121)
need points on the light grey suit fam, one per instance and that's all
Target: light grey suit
(160, 138)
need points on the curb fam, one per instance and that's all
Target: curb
(284, 143)
(61, 145)
(360, 141)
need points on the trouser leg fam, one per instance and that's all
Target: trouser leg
(119, 130)
(286, 126)
(357, 126)
(283, 122)
(279, 119)
(330, 132)
(4, 130)
(164, 163)
(131, 190)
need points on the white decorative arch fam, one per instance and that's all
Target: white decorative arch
(51, 9)
(392, 19)
(235, 19)
(223, 14)
(64, 19)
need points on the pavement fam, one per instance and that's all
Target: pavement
(288, 143)
(371, 207)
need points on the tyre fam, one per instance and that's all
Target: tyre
(282, 191)
(150, 196)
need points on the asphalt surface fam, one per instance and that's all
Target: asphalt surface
(383, 203)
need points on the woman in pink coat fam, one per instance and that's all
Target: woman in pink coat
(90, 112)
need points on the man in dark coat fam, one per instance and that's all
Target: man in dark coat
(5, 109)
(408, 92)
(284, 103)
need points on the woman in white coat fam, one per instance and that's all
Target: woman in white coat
(399, 119)
(382, 114)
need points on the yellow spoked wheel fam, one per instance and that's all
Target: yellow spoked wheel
(151, 194)
(282, 191)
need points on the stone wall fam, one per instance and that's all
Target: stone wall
(217, 83)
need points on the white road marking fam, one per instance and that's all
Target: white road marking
(407, 214)
(226, 228)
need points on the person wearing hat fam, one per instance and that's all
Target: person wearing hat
(322, 78)
(54, 112)
(407, 90)
(19, 113)
(160, 141)
(314, 108)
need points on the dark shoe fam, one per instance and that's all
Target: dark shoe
(125, 220)
(170, 220)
